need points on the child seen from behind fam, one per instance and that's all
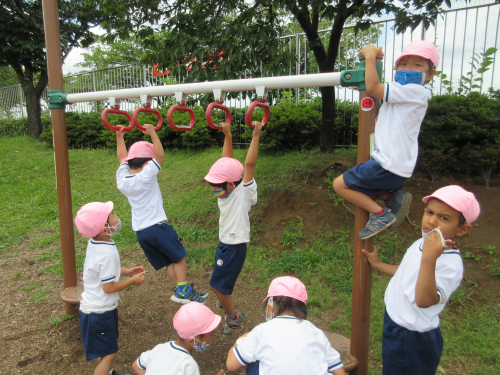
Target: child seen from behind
(396, 131)
(286, 343)
(136, 178)
(101, 283)
(431, 270)
(236, 196)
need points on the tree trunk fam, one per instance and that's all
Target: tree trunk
(34, 111)
(328, 135)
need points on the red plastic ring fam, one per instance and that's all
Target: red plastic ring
(117, 111)
(184, 109)
(208, 112)
(248, 116)
(149, 110)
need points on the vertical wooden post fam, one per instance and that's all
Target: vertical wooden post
(362, 272)
(54, 69)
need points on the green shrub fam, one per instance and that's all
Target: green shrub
(460, 133)
(13, 128)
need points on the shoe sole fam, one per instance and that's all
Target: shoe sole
(375, 233)
(403, 210)
(184, 301)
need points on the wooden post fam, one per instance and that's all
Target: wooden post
(54, 69)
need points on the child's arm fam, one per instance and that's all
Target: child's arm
(131, 271)
(117, 286)
(253, 151)
(227, 150)
(232, 362)
(138, 370)
(159, 153)
(121, 149)
(373, 86)
(339, 371)
(426, 290)
(388, 269)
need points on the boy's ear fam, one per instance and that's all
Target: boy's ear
(230, 185)
(430, 75)
(463, 230)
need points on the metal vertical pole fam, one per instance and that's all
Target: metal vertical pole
(21, 101)
(362, 272)
(54, 69)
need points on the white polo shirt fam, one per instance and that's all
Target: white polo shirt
(168, 359)
(398, 125)
(102, 265)
(400, 293)
(143, 194)
(287, 345)
(234, 224)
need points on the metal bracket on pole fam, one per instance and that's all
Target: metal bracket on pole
(219, 96)
(57, 99)
(261, 93)
(113, 101)
(356, 77)
(145, 100)
(180, 98)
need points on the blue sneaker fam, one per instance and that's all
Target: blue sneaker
(399, 204)
(188, 295)
(377, 223)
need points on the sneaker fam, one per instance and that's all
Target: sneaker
(218, 304)
(189, 295)
(377, 223)
(232, 325)
(399, 204)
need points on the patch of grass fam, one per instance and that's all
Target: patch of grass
(292, 233)
(56, 320)
(17, 274)
(31, 287)
(471, 255)
(491, 250)
(39, 295)
(494, 269)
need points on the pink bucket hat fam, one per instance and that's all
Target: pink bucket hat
(458, 198)
(421, 48)
(195, 319)
(141, 149)
(287, 286)
(92, 217)
(225, 170)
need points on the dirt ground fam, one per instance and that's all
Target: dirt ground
(30, 345)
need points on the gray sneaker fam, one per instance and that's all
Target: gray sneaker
(218, 304)
(377, 223)
(232, 325)
(399, 204)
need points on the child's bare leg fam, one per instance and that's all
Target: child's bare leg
(226, 301)
(180, 270)
(355, 197)
(381, 196)
(171, 273)
(104, 364)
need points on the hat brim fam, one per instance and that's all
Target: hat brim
(213, 180)
(215, 323)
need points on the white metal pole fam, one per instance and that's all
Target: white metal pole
(270, 83)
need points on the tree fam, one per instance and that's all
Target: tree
(247, 34)
(120, 52)
(23, 46)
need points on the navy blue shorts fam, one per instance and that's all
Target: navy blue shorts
(410, 352)
(253, 368)
(99, 333)
(229, 261)
(370, 178)
(161, 245)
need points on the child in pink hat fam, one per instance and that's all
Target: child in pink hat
(431, 270)
(235, 200)
(136, 178)
(286, 343)
(396, 131)
(101, 283)
(195, 325)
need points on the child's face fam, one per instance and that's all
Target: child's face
(416, 64)
(206, 338)
(439, 214)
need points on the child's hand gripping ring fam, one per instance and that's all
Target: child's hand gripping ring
(248, 116)
(208, 113)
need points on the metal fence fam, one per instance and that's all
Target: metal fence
(460, 34)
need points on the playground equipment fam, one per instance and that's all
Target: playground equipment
(360, 318)
(116, 110)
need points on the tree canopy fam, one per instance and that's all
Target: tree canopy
(23, 46)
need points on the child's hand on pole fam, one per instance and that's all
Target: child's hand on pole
(150, 129)
(370, 51)
(120, 132)
(226, 128)
(372, 257)
(257, 128)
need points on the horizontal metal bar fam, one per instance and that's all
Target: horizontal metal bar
(297, 81)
